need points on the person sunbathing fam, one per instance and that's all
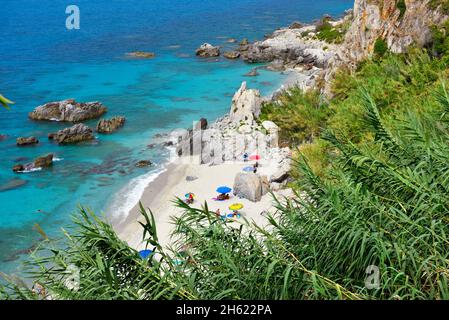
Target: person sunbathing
(223, 196)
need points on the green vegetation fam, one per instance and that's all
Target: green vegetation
(325, 31)
(380, 47)
(442, 4)
(401, 5)
(440, 38)
(299, 115)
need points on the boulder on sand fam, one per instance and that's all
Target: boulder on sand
(25, 141)
(68, 110)
(208, 50)
(110, 125)
(250, 186)
(77, 133)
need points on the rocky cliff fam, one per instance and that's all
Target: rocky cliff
(400, 23)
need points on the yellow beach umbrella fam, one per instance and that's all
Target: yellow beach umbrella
(236, 206)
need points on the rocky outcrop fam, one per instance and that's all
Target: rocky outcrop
(26, 141)
(68, 110)
(141, 54)
(290, 48)
(374, 19)
(77, 133)
(232, 55)
(246, 105)
(44, 162)
(250, 186)
(110, 125)
(207, 50)
(39, 163)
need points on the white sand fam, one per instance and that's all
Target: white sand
(160, 193)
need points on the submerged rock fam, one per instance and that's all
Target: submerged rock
(110, 125)
(143, 163)
(68, 110)
(208, 50)
(141, 54)
(25, 141)
(77, 133)
(13, 184)
(252, 73)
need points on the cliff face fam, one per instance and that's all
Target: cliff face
(398, 25)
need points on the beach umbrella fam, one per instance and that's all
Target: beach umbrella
(255, 157)
(236, 207)
(248, 169)
(187, 195)
(145, 253)
(224, 190)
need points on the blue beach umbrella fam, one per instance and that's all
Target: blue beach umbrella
(145, 253)
(224, 190)
(248, 169)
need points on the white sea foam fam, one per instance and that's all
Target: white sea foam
(57, 159)
(31, 170)
(130, 195)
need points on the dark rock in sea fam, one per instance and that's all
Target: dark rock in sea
(41, 162)
(77, 133)
(44, 162)
(18, 168)
(296, 25)
(143, 163)
(25, 141)
(252, 73)
(110, 125)
(232, 55)
(207, 50)
(13, 184)
(151, 146)
(68, 110)
(141, 54)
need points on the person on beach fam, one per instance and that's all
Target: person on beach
(245, 157)
(218, 213)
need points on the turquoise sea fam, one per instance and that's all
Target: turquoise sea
(42, 61)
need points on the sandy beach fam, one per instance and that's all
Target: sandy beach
(160, 193)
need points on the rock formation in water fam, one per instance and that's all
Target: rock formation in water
(25, 141)
(41, 162)
(110, 125)
(207, 50)
(77, 133)
(68, 110)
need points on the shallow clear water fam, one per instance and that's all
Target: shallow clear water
(41, 61)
